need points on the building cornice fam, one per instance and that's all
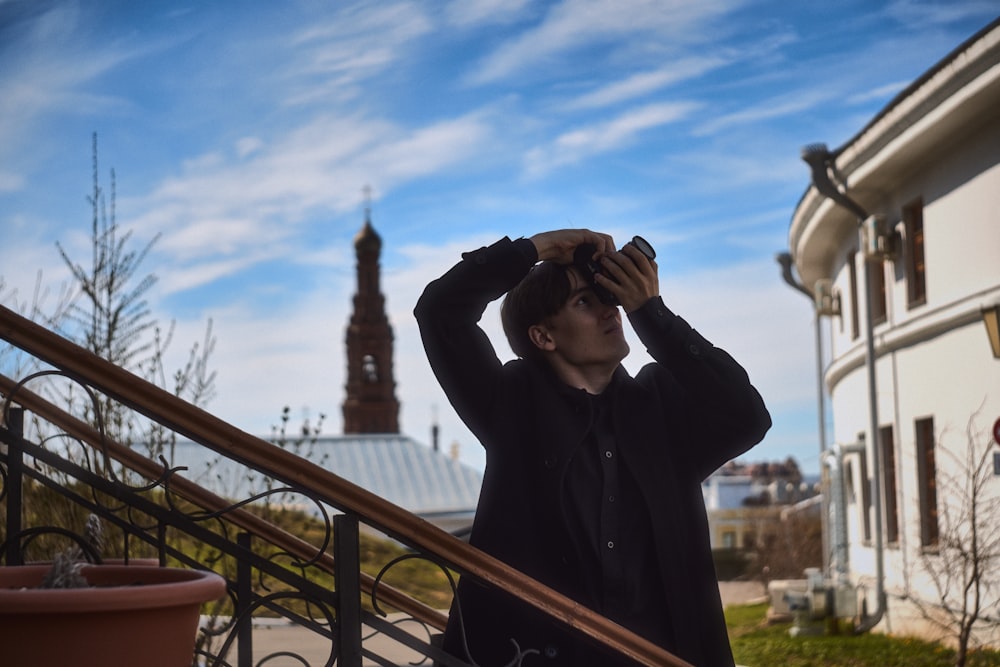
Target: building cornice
(946, 101)
(917, 329)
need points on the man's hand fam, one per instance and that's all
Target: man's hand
(558, 246)
(630, 276)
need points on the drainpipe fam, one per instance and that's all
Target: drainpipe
(834, 461)
(821, 163)
(785, 260)
(873, 620)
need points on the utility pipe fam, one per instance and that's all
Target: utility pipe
(873, 620)
(821, 164)
(835, 462)
(785, 260)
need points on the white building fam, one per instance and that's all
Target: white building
(927, 171)
(745, 502)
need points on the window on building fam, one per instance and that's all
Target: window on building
(876, 290)
(729, 539)
(913, 223)
(369, 368)
(852, 270)
(889, 484)
(927, 482)
(866, 499)
(852, 497)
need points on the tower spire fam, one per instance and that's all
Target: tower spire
(371, 405)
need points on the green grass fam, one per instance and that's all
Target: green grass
(757, 644)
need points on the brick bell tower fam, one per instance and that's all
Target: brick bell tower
(371, 405)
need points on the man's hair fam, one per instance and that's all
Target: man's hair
(539, 295)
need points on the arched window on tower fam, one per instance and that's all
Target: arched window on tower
(369, 368)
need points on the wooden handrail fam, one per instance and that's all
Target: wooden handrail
(211, 502)
(212, 432)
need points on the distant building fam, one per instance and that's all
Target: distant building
(919, 248)
(745, 502)
(371, 405)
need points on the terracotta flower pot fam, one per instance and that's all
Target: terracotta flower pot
(131, 615)
(144, 562)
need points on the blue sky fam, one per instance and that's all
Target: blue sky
(245, 132)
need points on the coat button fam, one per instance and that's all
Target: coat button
(550, 462)
(551, 652)
(694, 350)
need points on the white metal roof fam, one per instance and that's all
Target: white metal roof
(394, 467)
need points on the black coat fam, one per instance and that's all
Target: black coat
(676, 422)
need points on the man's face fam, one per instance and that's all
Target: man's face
(586, 332)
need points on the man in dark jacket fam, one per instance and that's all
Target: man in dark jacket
(593, 478)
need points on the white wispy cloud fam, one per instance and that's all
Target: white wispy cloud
(585, 142)
(467, 13)
(358, 40)
(9, 181)
(777, 107)
(575, 24)
(723, 168)
(354, 24)
(43, 73)
(879, 93)
(930, 14)
(428, 150)
(265, 363)
(646, 82)
(328, 58)
(211, 237)
(232, 209)
(194, 274)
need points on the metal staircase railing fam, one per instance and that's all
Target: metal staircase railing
(157, 502)
(210, 502)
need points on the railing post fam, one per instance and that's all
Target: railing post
(347, 569)
(244, 598)
(15, 480)
(161, 543)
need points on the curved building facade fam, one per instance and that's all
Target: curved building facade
(903, 223)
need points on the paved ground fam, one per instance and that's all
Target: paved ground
(269, 639)
(741, 592)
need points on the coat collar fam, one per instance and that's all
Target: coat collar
(565, 413)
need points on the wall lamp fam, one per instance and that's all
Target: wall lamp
(991, 318)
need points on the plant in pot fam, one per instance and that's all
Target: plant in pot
(71, 612)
